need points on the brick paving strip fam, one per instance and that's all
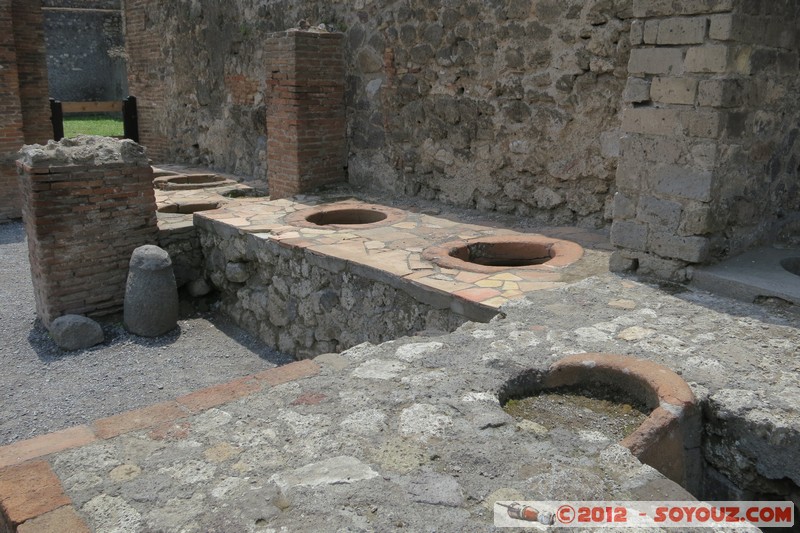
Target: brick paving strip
(32, 499)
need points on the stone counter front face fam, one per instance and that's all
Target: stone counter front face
(306, 304)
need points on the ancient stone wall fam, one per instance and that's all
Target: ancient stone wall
(305, 304)
(512, 106)
(710, 155)
(85, 50)
(88, 203)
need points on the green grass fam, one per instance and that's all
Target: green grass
(92, 125)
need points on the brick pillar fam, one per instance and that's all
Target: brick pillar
(11, 137)
(32, 67)
(305, 117)
(84, 216)
(143, 43)
(708, 156)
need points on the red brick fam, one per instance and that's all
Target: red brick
(219, 394)
(290, 372)
(143, 418)
(57, 441)
(62, 520)
(30, 490)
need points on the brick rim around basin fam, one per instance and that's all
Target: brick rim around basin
(668, 440)
(349, 213)
(543, 253)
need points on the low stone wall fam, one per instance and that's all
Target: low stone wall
(306, 304)
(183, 246)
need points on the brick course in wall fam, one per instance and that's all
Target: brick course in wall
(83, 222)
(305, 116)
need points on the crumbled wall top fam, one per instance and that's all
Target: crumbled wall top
(84, 150)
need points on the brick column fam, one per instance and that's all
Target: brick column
(32, 67)
(11, 137)
(704, 78)
(86, 204)
(24, 106)
(146, 75)
(305, 117)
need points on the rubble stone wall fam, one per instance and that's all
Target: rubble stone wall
(87, 204)
(512, 106)
(304, 304)
(710, 152)
(85, 50)
(183, 246)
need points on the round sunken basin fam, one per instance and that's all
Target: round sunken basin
(791, 265)
(665, 440)
(187, 208)
(494, 254)
(184, 182)
(346, 215)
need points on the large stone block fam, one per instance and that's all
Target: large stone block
(682, 182)
(637, 90)
(699, 219)
(706, 124)
(663, 215)
(721, 93)
(659, 8)
(624, 207)
(682, 30)
(656, 61)
(673, 90)
(652, 121)
(659, 267)
(628, 234)
(151, 294)
(669, 245)
(710, 58)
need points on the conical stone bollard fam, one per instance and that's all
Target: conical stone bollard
(151, 295)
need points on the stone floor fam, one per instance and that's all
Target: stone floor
(410, 433)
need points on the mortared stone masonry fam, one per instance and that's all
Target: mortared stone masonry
(88, 202)
(306, 145)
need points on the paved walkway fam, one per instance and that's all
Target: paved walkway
(409, 433)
